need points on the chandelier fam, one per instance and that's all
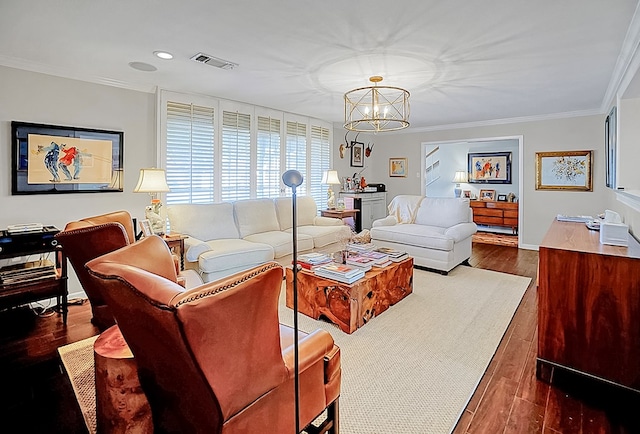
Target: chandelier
(376, 108)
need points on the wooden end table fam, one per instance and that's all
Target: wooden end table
(340, 214)
(351, 306)
(176, 245)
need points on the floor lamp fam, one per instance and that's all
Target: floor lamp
(293, 178)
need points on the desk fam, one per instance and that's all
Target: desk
(176, 245)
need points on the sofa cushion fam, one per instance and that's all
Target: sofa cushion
(282, 242)
(325, 235)
(430, 237)
(442, 212)
(203, 221)
(255, 216)
(306, 211)
(233, 253)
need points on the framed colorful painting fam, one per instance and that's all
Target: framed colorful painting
(565, 170)
(489, 167)
(53, 159)
(398, 167)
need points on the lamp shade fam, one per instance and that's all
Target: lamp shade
(331, 177)
(460, 176)
(151, 181)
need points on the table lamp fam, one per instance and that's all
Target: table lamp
(330, 177)
(460, 176)
(153, 181)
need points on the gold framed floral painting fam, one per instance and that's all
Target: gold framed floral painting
(564, 170)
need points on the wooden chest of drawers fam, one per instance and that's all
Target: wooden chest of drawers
(491, 213)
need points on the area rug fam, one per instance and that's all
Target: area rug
(497, 239)
(410, 370)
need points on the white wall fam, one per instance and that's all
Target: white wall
(39, 98)
(539, 207)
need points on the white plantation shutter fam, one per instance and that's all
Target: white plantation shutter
(268, 157)
(236, 156)
(239, 153)
(190, 153)
(320, 161)
(296, 153)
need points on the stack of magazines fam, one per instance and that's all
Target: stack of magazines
(340, 272)
(363, 262)
(311, 261)
(379, 259)
(393, 254)
(27, 272)
(360, 247)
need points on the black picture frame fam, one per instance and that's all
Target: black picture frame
(357, 154)
(610, 148)
(489, 167)
(502, 198)
(82, 159)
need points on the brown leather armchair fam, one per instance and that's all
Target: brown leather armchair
(89, 238)
(215, 359)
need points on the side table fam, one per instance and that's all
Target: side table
(176, 245)
(340, 214)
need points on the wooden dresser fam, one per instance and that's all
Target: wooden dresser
(589, 305)
(491, 213)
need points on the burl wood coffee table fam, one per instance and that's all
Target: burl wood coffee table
(351, 306)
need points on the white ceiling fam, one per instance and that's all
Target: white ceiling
(463, 61)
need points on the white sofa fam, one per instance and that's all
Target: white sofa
(228, 237)
(435, 231)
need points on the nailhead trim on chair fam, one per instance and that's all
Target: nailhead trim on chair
(244, 278)
(93, 228)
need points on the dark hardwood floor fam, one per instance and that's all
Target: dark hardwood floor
(37, 396)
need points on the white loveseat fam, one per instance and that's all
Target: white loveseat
(228, 237)
(435, 231)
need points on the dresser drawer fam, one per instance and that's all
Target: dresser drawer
(485, 220)
(487, 212)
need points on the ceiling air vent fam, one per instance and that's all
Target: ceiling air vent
(213, 61)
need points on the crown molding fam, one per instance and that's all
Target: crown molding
(626, 65)
(22, 64)
(503, 121)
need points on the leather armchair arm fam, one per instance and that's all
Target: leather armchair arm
(311, 349)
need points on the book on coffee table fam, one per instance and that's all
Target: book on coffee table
(340, 272)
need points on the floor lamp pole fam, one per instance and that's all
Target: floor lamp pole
(293, 178)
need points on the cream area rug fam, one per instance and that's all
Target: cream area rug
(410, 370)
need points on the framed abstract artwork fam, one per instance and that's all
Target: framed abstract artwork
(489, 167)
(564, 170)
(53, 159)
(398, 167)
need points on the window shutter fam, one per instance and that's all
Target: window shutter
(268, 158)
(319, 163)
(236, 156)
(190, 153)
(296, 153)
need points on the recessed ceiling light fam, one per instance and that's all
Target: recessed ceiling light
(140, 66)
(163, 55)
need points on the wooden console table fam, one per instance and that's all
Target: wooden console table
(351, 306)
(589, 305)
(493, 213)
